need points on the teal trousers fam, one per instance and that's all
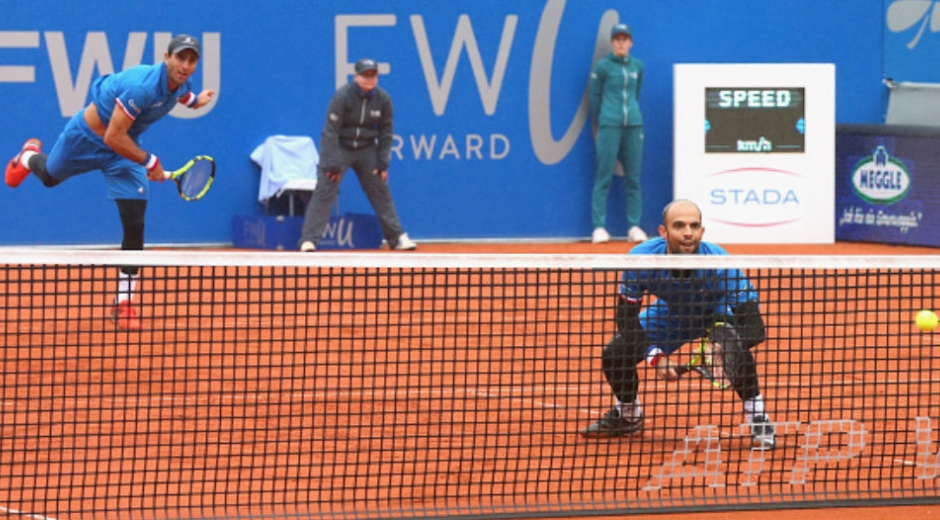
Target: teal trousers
(625, 143)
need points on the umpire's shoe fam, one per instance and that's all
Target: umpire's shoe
(763, 433)
(613, 425)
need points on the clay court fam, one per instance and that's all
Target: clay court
(283, 392)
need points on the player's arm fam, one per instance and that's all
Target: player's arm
(664, 365)
(194, 101)
(627, 315)
(116, 136)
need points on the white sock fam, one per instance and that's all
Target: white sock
(24, 158)
(126, 284)
(754, 407)
(630, 410)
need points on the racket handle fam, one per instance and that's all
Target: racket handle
(682, 370)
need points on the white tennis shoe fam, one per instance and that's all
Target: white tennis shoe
(600, 236)
(636, 235)
(405, 243)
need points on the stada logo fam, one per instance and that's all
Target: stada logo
(881, 179)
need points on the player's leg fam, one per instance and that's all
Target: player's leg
(77, 150)
(619, 363)
(129, 188)
(607, 145)
(132, 213)
(380, 197)
(632, 160)
(652, 328)
(317, 214)
(18, 168)
(743, 331)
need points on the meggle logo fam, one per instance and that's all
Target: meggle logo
(881, 179)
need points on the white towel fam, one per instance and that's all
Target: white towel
(287, 163)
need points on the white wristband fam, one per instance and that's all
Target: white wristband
(151, 162)
(653, 353)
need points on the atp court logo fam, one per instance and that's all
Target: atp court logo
(880, 178)
(913, 15)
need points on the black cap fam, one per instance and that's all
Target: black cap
(183, 42)
(365, 65)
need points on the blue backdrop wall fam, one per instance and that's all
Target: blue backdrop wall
(492, 137)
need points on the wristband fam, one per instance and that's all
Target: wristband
(151, 162)
(191, 100)
(654, 355)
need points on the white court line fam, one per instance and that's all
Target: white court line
(489, 392)
(24, 514)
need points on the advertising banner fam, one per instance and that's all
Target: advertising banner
(887, 184)
(348, 231)
(754, 148)
(492, 127)
(912, 40)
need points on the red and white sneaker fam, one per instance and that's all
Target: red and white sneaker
(16, 170)
(124, 316)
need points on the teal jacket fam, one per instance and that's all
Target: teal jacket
(615, 91)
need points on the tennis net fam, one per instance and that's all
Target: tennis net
(384, 385)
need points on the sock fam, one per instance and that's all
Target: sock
(754, 407)
(24, 158)
(126, 284)
(630, 410)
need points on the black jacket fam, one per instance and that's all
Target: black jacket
(357, 120)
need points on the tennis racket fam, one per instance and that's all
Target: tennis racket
(195, 178)
(707, 362)
(719, 356)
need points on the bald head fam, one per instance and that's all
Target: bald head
(682, 227)
(680, 204)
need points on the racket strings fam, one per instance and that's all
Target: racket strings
(712, 358)
(196, 181)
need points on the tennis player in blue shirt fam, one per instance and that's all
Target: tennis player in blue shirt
(687, 305)
(105, 136)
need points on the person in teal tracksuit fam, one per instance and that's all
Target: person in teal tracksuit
(614, 94)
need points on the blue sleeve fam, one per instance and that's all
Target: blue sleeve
(633, 285)
(735, 289)
(134, 99)
(731, 285)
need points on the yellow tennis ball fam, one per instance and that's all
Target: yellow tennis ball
(926, 320)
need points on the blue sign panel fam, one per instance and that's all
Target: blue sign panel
(492, 130)
(912, 40)
(887, 185)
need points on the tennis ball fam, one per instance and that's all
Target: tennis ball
(926, 320)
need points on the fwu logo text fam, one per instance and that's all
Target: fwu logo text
(913, 16)
(72, 92)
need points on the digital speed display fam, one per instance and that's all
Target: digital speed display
(754, 120)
